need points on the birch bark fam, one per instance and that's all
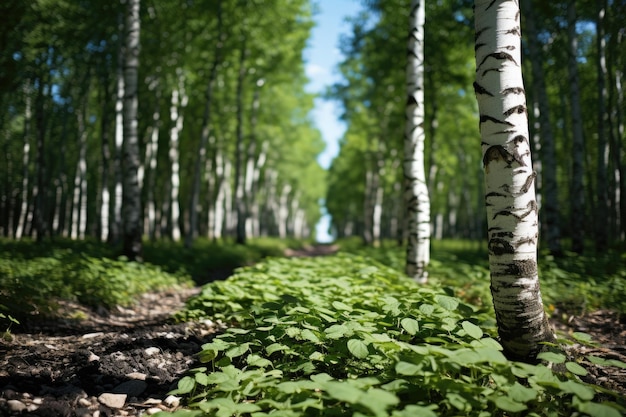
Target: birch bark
(416, 191)
(509, 180)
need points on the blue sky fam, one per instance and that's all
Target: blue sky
(322, 57)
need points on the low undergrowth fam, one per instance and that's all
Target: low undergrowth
(345, 335)
(34, 276)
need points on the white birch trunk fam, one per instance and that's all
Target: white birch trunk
(509, 180)
(416, 191)
(283, 211)
(21, 223)
(79, 205)
(116, 213)
(131, 196)
(179, 101)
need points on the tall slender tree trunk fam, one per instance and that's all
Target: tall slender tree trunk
(105, 172)
(41, 220)
(179, 101)
(577, 196)
(131, 205)
(150, 165)
(509, 180)
(194, 204)
(602, 195)
(79, 204)
(24, 206)
(115, 232)
(240, 197)
(548, 152)
(416, 191)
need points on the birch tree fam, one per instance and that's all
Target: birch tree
(131, 199)
(416, 192)
(511, 206)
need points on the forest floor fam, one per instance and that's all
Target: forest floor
(124, 362)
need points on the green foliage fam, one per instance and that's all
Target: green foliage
(34, 277)
(345, 335)
(572, 283)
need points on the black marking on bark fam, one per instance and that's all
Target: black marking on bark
(500, 246)
(494, 194)
(479, 89)
(479, 33)
(490, 4)
(515, 31)
(411, 101)
(528, 184)
(501, 56)
(486, 118)
(522, 268)
(478, 45)
(487, 71)
(498, 153)
(513, 90)
(521, 109)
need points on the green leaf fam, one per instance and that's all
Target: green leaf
(507, 404)
(522, 394)
(309, 335)
(426, 309)
(343, 391)
(341, 306)
(378, 401)
(410, 325)
(256, 360)
(186, 385)
(202, 379)
(582, 337)
(275, 347)
(447, 302)
(406, 368)
(358, 348)
(581, 391)
(207, 356)
(599, 410)
(472, 330)
(237, 350)
(552, 357)
(575, 368)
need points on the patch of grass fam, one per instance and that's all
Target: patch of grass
(345, 335)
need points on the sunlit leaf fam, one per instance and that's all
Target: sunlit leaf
(358, 348)
(410, 325)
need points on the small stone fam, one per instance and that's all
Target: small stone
(132, 388)
(152, 351)
(31, 407)
(112, 400)
(9, 394)
(96, 413)
(38, 400)
(153, 410)
(93, 357)
(172, 401)
(92, 335)
(152, 401)
(84, 402)
(16, 406)
(137, 375)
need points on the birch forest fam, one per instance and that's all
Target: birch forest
(223, 142)
(225, 145)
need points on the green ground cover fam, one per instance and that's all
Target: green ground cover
(346, 335)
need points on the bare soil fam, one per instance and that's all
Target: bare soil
(124, 362)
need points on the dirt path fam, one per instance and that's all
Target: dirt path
(117, 363)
